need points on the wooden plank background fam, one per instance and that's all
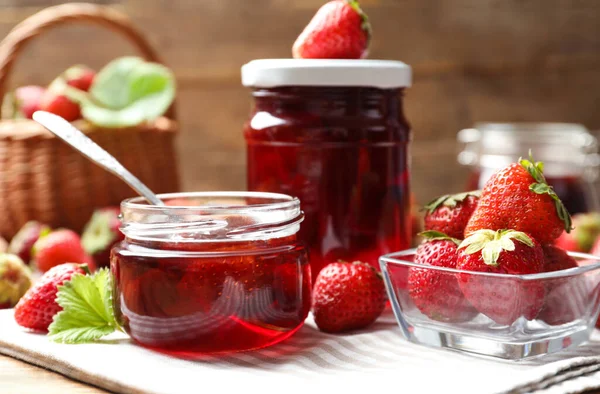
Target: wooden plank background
(473, 60)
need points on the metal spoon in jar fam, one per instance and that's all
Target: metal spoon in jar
(74, 137)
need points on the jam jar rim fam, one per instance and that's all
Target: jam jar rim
(279, 218)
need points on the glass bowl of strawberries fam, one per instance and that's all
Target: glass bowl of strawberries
(489, 277)
(501, 315)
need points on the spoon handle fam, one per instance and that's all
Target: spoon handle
(74, 137)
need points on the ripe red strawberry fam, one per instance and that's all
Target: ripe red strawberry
(557, 259)
(27, 100)
(519, 198)
(339, 30)
(101, 233)
(60, 105)
(59, 247)
(436, 293)
(450, 214)
(566, 297)
(586, 228)
(22, 243)
(80, 77)
(347, 296)
(511, 252)
(38, 306)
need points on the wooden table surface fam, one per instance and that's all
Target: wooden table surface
(17, 377)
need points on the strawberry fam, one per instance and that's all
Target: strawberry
(26, 100)
(586, 228)
(56, 101)
(557, 259)
(450, 214)
(38, 306)
(565, 296)
(339, 30)
(101, 233)
(15, 280)
(519, 198)
(436, 293)
(80, 77)
(347, 296)
(58, 247)
(60, 105)
(512, 252)
(22, 243)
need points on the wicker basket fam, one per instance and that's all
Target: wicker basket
(41, 178)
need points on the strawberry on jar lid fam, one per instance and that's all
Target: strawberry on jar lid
(382, 74)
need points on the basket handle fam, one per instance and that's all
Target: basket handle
(107, 17)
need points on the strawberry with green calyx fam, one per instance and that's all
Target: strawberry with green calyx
(339, 30)
(450, 214)
(436, 293)
(101, 233)
(22, 243)
(38, 306)
(511, 252)
(347, 296)
(518, 197)
(15, 280)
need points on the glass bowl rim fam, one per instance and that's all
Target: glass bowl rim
(279, 202)
(396, 259)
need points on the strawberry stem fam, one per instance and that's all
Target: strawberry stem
(449, 200)
(366, 25)
(85, 268)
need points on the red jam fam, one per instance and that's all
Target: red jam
(193, 298)
(343, 151)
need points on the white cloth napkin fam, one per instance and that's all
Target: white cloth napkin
(311, 361)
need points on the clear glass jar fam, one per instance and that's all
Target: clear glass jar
(569, 153)
(333, 133)
(211, 272)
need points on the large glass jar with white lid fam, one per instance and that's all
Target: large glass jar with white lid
(569, 152)
(333, 133)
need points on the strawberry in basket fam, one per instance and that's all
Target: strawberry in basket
(56, 99)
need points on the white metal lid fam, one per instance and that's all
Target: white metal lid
(383, 74)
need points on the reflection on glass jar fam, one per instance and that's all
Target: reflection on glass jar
(211, 272)
(333, 134)
(569, 153)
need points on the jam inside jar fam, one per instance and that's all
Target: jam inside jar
(342, 150)
(211, 272)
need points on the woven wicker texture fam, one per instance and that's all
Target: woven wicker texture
(41, 178)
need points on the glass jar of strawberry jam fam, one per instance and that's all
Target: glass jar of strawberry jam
(569, 153)
(333, 133)
(211, 272)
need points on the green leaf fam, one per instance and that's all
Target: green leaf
(517, 235)
(432, 235)
(491, 252)
(450, 200)
(87, 313)
(111, 87)
(127, 92)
